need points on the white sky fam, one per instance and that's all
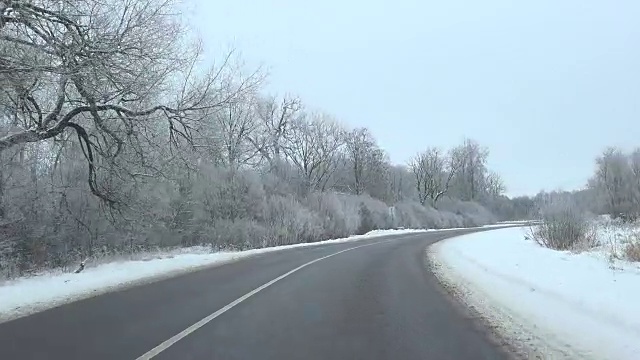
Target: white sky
(546, 85)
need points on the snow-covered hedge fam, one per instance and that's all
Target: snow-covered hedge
(236, 211)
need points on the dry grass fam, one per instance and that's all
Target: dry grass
(621, 240)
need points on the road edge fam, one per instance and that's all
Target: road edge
(35, 308)
(503, 328)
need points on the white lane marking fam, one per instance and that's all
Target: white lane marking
(174, 339)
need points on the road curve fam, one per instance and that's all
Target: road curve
(377, 301)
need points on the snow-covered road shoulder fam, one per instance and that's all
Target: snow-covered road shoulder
(546, 303)
(28, 295)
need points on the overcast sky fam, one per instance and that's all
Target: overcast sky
(545, 85)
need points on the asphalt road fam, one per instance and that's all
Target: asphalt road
(376, 301)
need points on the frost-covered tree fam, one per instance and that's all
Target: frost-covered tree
(367, 162)
(108, 71)
(275, 119)
(616, 182)
(316, 148)
(469, 182)
(433, 170)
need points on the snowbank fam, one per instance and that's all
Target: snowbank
(28, 295)
(547, 303)
(523, 222)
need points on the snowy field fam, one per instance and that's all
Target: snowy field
(547, 303)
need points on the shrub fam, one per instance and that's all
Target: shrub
(632, 251)
(472, 213)
(411, 215)
(377, 212)
(366, 220)
(241, 234)
(342, 215)
(289, 222)
(337, 218)
(627, 240)
(564, 227)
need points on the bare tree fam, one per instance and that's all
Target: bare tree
(469, 182)
(234, 126)
(634, 163)
(494, 184)
(106, 70)
(315, 149)
(614, 180)
(275, 121)
(401, 184)
(433, 171)
(367, 160)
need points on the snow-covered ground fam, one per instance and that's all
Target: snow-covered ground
(546, 303)
(613, 237)
(24, 296)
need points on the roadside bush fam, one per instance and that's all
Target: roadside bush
(447, 219)
(564, 227)
(376, 213)
(240, 234)
(450, 213)
(289, 222)
(337, 218)
(412, 215)
(442, 219)
(472, 213)
(213, 207)
(366, 220)
(342, 215)
(632, 250)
